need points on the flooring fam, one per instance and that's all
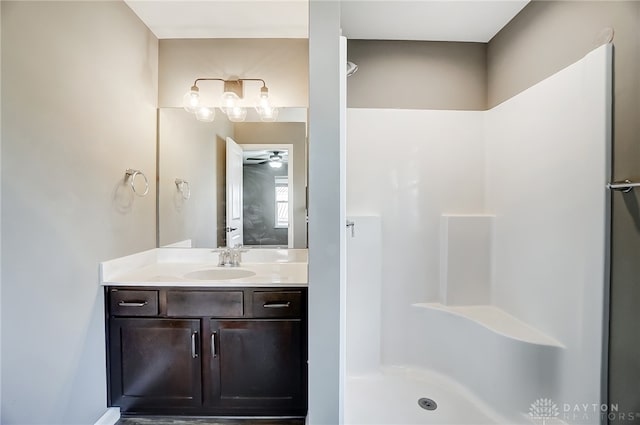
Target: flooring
(178, 420)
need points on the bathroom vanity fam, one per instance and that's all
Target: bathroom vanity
(185, 337)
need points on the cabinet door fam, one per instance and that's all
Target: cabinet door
(258, 365)
(154, 363)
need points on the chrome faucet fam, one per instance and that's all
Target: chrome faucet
(230, 257)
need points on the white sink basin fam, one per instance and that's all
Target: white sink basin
(218, 274)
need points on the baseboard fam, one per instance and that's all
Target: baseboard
(110, 417)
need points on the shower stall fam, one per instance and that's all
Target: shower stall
(477, 271)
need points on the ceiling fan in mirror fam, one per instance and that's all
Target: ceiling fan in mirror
(275, 159)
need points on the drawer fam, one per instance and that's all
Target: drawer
(277, 304)
(128, 302)
(205, 303)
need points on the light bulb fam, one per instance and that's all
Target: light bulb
(228, 101)
(237, 114)
(269, 114)
(191, 100)
(275, 164)
(205, 114)
(263, 102)
(264, 108)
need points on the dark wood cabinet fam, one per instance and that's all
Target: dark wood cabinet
(154, 362)
(240, 352)
(257, 364)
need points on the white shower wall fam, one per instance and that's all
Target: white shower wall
(409, 167)
(547, 166)
(363, 292)
(539, 163)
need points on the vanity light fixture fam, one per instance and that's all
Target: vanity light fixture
(230, 101)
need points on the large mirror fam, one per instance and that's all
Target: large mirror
(223, 183)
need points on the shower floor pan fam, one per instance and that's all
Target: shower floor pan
(390, 397)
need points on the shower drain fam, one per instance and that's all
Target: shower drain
(427, 404)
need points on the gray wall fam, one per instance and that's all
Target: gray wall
(282, 63)
(259, 205)
(0, 215)
(79, 97)
(295, 133)
(545, 37)
(326, 214)
(417, 75)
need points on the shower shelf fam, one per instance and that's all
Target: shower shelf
(497, 321)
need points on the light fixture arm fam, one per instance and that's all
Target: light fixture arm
(195, 83)
(264, 84)
(264, 91)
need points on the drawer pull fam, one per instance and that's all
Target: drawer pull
(132, 303)
(277, 305)
(194, 353)
(213, 345)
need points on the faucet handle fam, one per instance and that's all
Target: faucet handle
(240, 248)
(235, 255)
(224, 256)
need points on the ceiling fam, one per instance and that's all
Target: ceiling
(429, 20)
(224, 19)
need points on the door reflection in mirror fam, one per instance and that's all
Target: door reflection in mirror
(266, 196)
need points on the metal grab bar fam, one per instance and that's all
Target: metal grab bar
(624, 186)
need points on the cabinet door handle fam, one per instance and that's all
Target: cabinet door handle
(277, 305)
(214, 350)
(132, 303)
(194, 352)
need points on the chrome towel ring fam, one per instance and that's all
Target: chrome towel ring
(131, 175)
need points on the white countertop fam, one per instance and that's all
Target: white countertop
(168, 267)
